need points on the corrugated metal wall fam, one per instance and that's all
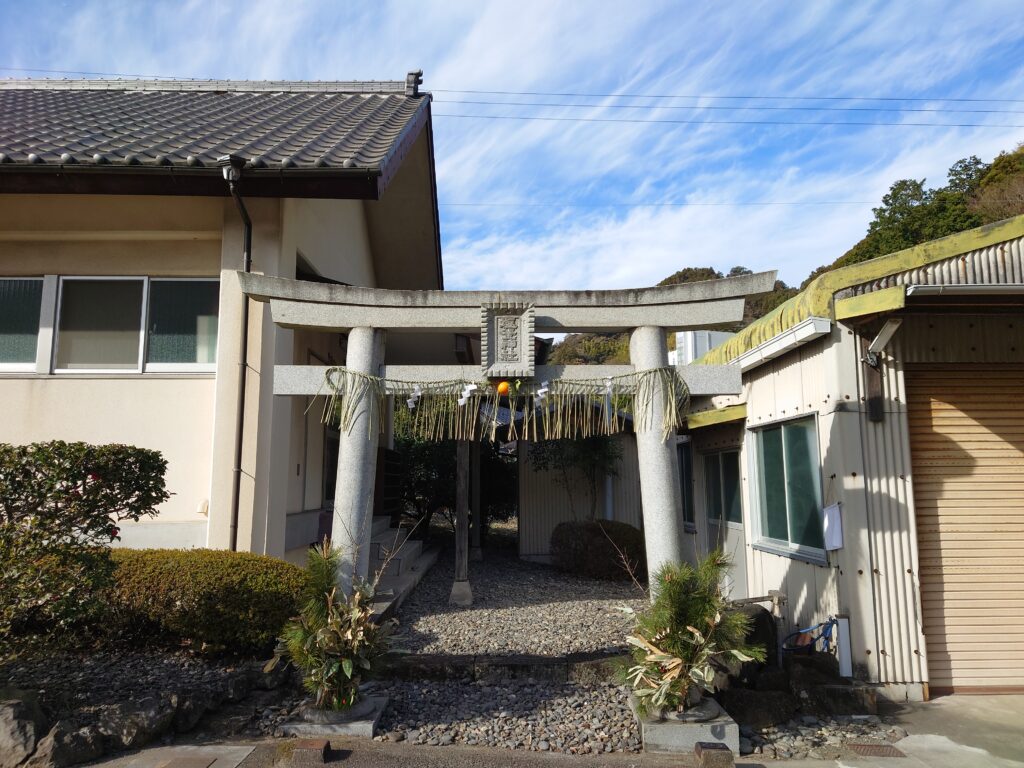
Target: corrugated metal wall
(792, 386)
(898, 655)
(544, 502)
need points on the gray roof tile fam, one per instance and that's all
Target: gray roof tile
(189, 124)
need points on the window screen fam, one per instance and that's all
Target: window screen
(100, 324)
(771, 470)
(19, 319)
(182, 321)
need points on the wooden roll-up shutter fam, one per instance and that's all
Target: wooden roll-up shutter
(967, 448)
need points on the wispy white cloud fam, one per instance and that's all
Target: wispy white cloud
(940, 48)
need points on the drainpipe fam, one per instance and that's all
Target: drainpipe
(231, 166)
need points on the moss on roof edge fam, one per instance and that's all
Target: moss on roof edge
(816, 300)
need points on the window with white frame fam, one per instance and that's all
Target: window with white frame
(789, 486)
(126, 324)
(20, 301)
(722, 489)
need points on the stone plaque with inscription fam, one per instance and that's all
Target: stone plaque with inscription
(506, 339)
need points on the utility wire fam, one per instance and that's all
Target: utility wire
(722, 122)
(517, 204)
(94, 74)
(760, 97)
(729, 107)
(723, 96)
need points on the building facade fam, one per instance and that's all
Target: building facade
(121, 315)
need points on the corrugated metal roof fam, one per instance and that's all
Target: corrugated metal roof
(189, 124)
(928, 261)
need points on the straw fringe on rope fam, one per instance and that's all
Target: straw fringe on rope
(469, 410)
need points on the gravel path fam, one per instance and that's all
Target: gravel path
(79, 685)
(518, 608)
(524, 715)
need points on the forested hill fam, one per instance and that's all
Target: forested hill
(975, 193)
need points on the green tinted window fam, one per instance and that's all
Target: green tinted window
(803, 494)
(771, 470)
(19, 319)
(790, 483)
(686, 480)
(182, 321)
(713, 485)
(731, 487)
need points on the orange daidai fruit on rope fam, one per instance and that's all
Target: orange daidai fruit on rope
(502, 387)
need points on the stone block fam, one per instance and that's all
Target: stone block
(519, 667)
(360, 721)
(22, 726)
(855, 699)
(310, 752)
(670, 735)
(593, 671)
(462, 594)
(713, 755)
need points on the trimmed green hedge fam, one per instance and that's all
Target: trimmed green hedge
(236, 601)
(592, 548)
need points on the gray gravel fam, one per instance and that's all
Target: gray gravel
(518, 608)
(818, 738)
(518, 715)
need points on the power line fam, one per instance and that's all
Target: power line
(723, 96)
(518, 204)
(724, 122)
(754, 97)
(729, 107)
(93, 74)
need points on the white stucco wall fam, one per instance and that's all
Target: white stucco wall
(113, 235)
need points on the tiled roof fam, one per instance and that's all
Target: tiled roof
(189, 124)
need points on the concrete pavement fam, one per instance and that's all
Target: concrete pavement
(950, 732)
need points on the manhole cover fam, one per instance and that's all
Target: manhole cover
(876, 750)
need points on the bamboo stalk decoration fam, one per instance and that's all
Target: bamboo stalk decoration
(469, 410)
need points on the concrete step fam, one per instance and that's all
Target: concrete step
(381, 523)
(403, 559)
(393, 590)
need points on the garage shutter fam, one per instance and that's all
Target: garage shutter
(967, 448)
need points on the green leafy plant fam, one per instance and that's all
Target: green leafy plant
(60, 508)
(334, 640)
(686, 629)
(212, 599)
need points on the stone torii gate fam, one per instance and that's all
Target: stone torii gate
(506, 322)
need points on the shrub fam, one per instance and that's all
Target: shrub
(334, 640)
(688, 625)
(212, 598)
(593, 548)
(60, 506)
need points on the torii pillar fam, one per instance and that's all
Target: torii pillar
(660, 491)
(357, 464)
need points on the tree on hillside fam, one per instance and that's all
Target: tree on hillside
(692, 275)
(1000, 193)
(613, 348)
(911, 214)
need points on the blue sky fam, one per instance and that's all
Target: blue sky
(610, 171)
